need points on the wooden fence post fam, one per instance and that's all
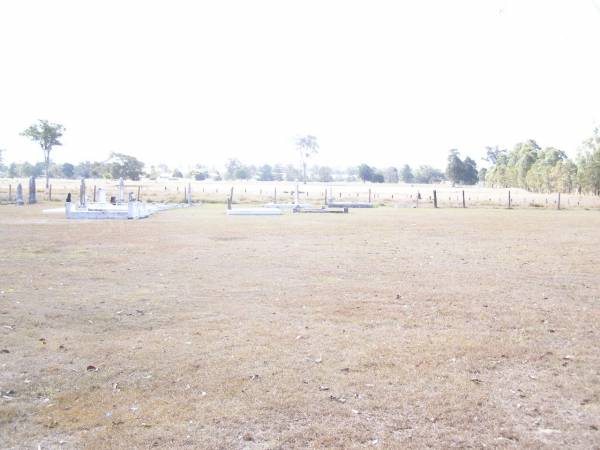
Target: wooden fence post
(434, 199)
(50, 193)
(10, 193)
(139, 190)
(463, 193)
(558, 202)
(275, 195)
(369, 195)
(94, 199)
(509, 205)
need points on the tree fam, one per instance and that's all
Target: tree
(520, 160)
(470, 175)
(391, 175)
(231, 167)
(406, 174)
(265, 173)
(47, 135)
(325, 174)
(278, 172)
(292, 173)
(493, 154)
(125, 166)
(307, 146)
(177, 174)
(427, 174)
(365, 172)
(68, 170)
(588, 172)
(482, 174)
(243, 173)
(455, 168)
(378, 177)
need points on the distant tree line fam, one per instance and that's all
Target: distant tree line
(526, 166)
(118, 165)
(537, 169)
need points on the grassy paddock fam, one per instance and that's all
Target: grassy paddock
(391, 328)
(402, 195)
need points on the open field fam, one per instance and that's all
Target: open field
(385, 328)
(390, 194)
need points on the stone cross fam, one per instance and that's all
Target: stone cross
(121, 190)
(32, 194)
(19, 198)
(82, 195)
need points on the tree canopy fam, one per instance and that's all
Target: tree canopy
(47, 135)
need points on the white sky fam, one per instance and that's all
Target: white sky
(382, 82)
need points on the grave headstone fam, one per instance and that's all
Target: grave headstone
(82, 195)
(121, 190)
(101, 195)
(19, 196)
(32, 194)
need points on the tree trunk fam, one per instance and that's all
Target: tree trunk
(47, 173)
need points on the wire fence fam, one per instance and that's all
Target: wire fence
(398, 195)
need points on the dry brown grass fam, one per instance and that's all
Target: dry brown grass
(393, 328)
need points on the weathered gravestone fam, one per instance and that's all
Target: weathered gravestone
(121, 190)
(19, 197)
(32, 194)
(82, 195)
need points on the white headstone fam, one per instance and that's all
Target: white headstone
(121, 190)
(101, 194)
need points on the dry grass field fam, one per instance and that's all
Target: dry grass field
(385, 328)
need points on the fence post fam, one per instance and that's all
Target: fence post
(369, 195)
(9, 193)
(275, 194)
(463, 193)
(509, 205)
(50, 193)
(558, 202)
(230, 198)
(138, 196)
(434, 199)
(94, 199)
